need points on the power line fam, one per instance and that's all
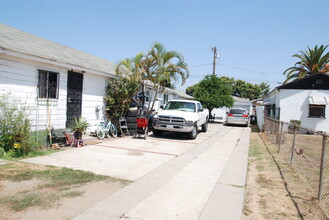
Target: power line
(233, 67)
(240, 78)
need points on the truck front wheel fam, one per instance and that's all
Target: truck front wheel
(192, 135)
(157, 133)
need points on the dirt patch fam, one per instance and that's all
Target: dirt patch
(23, 197)
(266, 196)
(67, 208)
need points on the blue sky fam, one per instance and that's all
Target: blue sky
(256, 38)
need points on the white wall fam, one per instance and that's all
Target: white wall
(93, 94)
(220, 113)
(19, 77)
(294, 104)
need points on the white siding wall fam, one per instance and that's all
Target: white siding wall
(93, 93)
(20, 78)
(294, 104)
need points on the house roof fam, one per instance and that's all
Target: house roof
(14, 40)
(315, 81)
(238, 99)
(179, 93)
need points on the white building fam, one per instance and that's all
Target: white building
(304, 99)
(163, 96)
(58, 82)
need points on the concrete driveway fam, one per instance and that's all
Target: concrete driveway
(127, 158)
(175, 178)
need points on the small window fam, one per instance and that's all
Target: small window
(48, 84)
(237, 111)
(317, 111)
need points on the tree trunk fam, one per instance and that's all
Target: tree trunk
(210, 115)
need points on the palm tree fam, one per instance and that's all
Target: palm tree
(166, 66)
(311, 61)
(134, 68)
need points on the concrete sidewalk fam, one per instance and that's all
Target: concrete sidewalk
(205, 182)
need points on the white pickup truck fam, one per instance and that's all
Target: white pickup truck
(184, 116)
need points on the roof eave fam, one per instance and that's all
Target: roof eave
(53, 62)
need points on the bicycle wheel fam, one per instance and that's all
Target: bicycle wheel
(100, 133)
(113, 130)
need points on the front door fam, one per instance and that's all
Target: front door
(74, 97)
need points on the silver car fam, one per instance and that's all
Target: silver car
(237, 116)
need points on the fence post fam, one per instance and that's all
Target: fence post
(280, 137)
(293, 145)
(273, 132)
(265, 127)
(323, 158)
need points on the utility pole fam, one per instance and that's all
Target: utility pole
(216, 55)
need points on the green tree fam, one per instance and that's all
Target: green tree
(163, 68)
(190, 90)
(310, 62)
(159, 66)
(265, 88)
(135, 68)
(119, 93)
(245, 89)
(213, 92)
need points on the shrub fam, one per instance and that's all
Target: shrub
(119, 94)
(296, 122)
(15, 126)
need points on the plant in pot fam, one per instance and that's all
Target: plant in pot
(79, 126)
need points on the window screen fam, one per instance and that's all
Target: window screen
(317, 111)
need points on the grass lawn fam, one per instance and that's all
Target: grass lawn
(24, 185)
(266, 196)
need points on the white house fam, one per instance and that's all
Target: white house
(304, 99)
(163, 96)
(58, 82)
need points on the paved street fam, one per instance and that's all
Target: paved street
(175, 178)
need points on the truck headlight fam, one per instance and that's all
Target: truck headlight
(155, 118)
(189, 122)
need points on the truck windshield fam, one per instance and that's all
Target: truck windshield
(181, 106)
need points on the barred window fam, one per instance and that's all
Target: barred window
(48, 84)
(317, 111)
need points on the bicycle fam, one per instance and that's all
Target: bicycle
(108, 129)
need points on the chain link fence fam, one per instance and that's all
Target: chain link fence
(302, 156)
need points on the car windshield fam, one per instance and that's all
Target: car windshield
(180, 106)
(238, 111)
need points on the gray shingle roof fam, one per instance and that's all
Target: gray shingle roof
(15, 40)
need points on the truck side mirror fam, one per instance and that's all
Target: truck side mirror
(200, 110)
(161, 106)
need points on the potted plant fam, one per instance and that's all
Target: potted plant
(79, 126)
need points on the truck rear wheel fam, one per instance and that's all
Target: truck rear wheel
(205, 126)
(194, 133)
